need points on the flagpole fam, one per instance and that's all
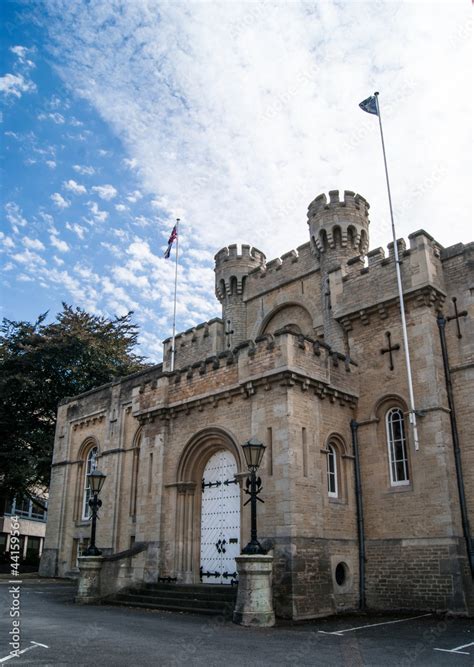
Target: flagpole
(173, 347)
(412, 413)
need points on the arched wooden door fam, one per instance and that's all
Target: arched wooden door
(220, 519)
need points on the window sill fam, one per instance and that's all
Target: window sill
(399, 489)
(337, 501)
(83, 522)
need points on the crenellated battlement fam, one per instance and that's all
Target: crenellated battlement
(373, 287)
(350, 199)
(194, 343)
(284, 357)
(339, 225)
(292, 265)
(232, 268)
(247, 254)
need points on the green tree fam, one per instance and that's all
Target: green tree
(41, 364)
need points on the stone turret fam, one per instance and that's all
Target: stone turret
(339, 232)
(232, 269)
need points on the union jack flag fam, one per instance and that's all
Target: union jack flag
(171, 240)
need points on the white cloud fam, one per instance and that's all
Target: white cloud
(19, 51)
(51, 164)
(160, 202)
(84, 170)
(118, 297)
(58, 260)
(128, 277)
(98, 214)
(106, 192)
(32, 244)
(55, 102)
(74, 187)
(47, 218)
(6, 241)
(82, 294)
(59, 200)
(141, 221)
(121, 208)
(31, 259)
(14, 216)
(57, 243)
(77, 229)
(56, 117)
(22, 54)
(259, 113)
(130, 163)
(16, 85)
(134, 196)
(113, 249)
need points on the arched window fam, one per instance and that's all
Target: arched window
(91, 464)
(333, 490)
(233, 285)
(397, 447)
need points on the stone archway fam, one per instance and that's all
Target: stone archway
(194, 459)
(292, 315)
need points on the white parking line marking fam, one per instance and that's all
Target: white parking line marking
(456, 650)
(28, 648)
(339, 633)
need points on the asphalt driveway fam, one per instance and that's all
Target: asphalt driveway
(55, 631)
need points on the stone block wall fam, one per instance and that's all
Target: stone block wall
(305, 583)
(204, 340)
(429, 574)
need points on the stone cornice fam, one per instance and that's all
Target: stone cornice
(107, 452)
(88, 421)
(424, 296)
(287, 378)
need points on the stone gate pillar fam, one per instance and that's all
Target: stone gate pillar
(254, 606)
(88, 589)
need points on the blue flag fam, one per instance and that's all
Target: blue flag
(369, 105)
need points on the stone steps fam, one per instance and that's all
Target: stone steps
(197, 599)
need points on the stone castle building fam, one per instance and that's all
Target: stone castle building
(308, 357)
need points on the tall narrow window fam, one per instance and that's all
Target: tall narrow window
(397, 447)
(332, 471)
(304, 446)
(135, 470)
(91, 464)
(270, 450)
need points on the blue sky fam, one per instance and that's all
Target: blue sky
(119, 116)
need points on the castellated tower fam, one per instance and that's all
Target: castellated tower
(339, 232)
(231, 271)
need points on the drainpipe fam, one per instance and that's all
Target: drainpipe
(441, 320)
(360, 514)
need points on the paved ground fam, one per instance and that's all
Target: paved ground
(55, 631)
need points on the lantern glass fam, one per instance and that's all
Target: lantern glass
(96, 481)
(253, 452)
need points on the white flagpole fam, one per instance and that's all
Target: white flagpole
(412, 413)
(173, 347)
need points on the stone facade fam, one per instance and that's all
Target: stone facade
(296, 357)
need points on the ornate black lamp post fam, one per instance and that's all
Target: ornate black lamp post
(253, 452)
(96, 482)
